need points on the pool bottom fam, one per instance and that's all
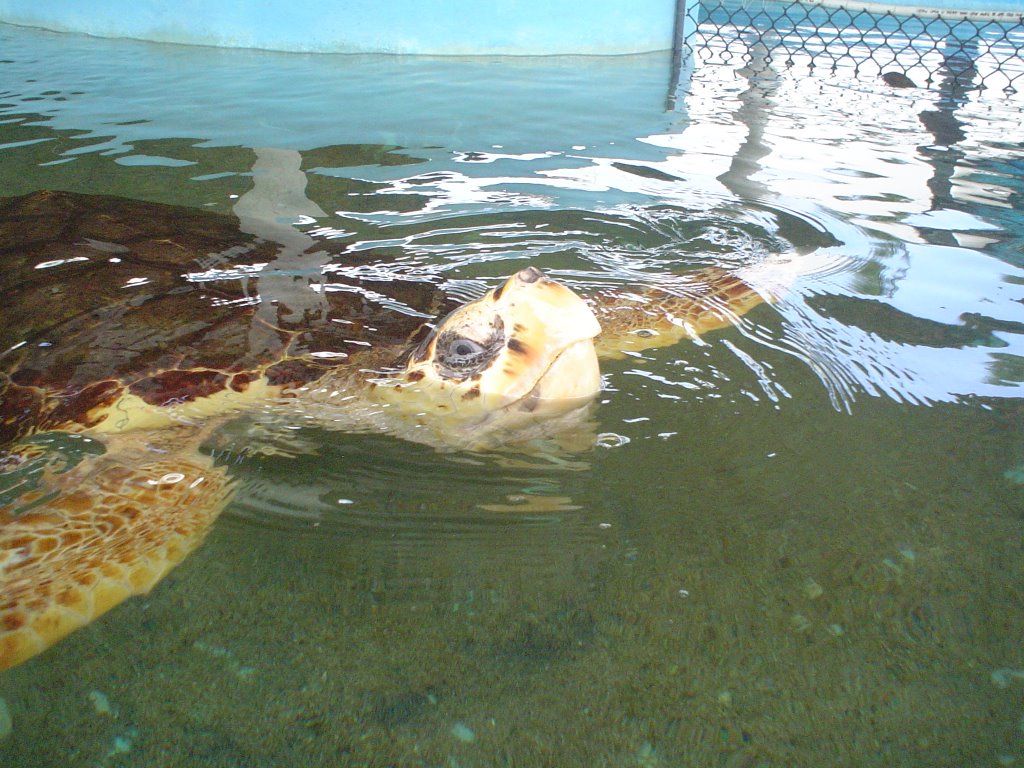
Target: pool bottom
(851, 599)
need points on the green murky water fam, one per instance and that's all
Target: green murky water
(797, 544)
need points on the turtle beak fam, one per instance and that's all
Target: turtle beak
(551, 360)
(529, 275)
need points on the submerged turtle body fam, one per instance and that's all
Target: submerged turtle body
(142, 326)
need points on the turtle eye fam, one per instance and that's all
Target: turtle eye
(457, 356)
(463, 353)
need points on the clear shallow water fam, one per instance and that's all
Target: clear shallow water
(796, 544)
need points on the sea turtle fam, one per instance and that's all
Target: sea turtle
(131, 331)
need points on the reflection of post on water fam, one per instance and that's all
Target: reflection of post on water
(957, 78)
(270, 211)
(756, 103)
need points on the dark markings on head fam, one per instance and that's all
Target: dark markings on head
(497, 292)
(415, 375)
(421, 352)
(471, 394)
(418, 348)
(515, 345)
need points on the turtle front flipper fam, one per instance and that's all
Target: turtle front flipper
(659, 317)
(83, 540)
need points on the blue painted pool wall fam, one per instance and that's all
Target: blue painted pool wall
(437, 27)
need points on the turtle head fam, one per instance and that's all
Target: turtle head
(525, 347)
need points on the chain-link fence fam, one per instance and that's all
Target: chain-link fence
(981, 50)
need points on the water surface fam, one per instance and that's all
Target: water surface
(797, 542)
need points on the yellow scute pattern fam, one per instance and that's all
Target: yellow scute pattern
(67, 560)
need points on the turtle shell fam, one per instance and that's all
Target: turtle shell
(103, 296)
